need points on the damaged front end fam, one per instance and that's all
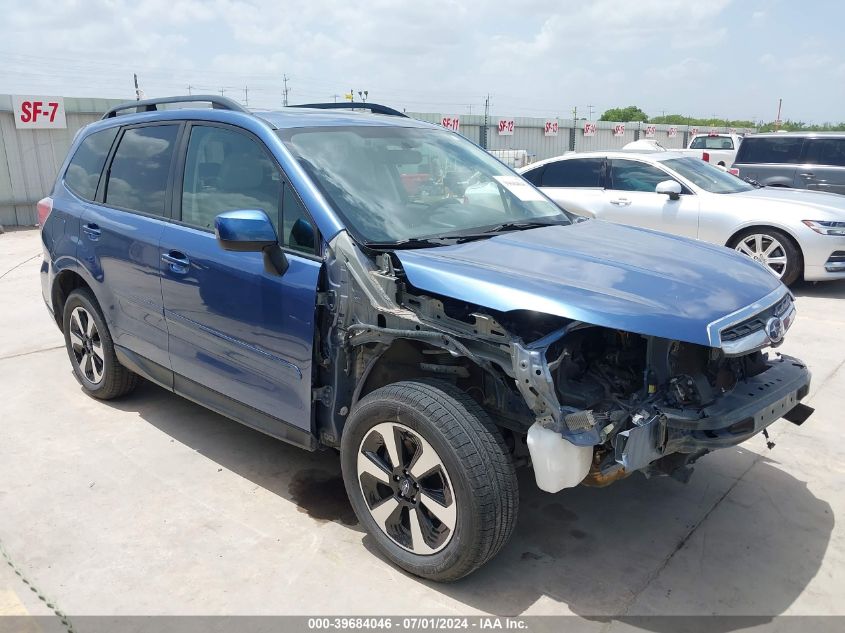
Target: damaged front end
(585, 403)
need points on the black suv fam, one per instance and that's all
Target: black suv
(804, 160)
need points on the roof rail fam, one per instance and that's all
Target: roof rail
(375, 108)
(217, 102)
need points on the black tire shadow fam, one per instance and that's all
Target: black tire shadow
(594, 550)
(821, 289)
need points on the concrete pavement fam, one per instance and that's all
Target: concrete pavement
(153, 505)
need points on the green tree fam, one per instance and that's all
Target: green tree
(631, 113)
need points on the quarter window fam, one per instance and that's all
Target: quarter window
(83, 172)
(629, 175)
(227, 171)
(584, 172)
(139, 170)
(826, 151)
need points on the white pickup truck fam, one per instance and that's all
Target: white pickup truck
(715, 148)
(718, 149)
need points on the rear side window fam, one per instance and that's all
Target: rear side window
(826, 151)
(140, 168)
(770, 150)
(579, 172)
(712, 142)
(83, 172)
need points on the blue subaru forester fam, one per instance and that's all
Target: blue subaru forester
(323, 275)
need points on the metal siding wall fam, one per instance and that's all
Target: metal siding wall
(30, 159)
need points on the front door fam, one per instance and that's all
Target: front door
(630, 198)
(236, 329)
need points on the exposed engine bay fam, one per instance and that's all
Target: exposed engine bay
(585, 404)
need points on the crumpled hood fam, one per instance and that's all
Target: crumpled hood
(831, 204)
(605, 274)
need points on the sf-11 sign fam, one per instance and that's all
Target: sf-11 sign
(551, 128)
(39, 113)
(451, 123)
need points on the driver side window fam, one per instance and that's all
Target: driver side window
(629, 175)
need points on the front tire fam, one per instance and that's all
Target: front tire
(773, 249)
(430, 478)
(91, 349)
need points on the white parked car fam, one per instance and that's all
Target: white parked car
(792, 232)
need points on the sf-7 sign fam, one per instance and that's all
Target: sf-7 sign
(38, 113)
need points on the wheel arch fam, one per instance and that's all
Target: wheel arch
(65, 282)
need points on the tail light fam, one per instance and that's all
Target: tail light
(705, 156)
(734, 171)
(43, 210)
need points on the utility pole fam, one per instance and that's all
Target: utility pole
(575, 113)
(335, 96)
(483, 137)
(222, 90)
(285, 91)
(137, 90)
(777, 120)
(246, 96)
(470, 109)
(591, 112)
(189, 89)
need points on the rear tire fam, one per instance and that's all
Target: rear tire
(91, 349)
(774, 249)
(453, 475)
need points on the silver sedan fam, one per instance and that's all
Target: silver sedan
(792, 232)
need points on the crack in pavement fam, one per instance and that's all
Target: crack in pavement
(35, 351)
(16, 266)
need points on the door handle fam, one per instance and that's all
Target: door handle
(92, 231)
(621, 202)
(177, 261)
(808, 175)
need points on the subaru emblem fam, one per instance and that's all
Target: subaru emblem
(774, 329)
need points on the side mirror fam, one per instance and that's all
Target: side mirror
(671, 188)
(249, 231)
(302, 234)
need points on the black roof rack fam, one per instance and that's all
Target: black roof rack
(217, 102)
(375, 108)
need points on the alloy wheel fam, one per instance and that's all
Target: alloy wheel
(406, 488)
(86, 345)
(765, 250)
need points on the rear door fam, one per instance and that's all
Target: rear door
(770, 160)
(823, 165)
(237, 332)
(575, 184)
(630, 198)
(119, 239)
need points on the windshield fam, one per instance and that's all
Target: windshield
(393, 184)
(707, 176)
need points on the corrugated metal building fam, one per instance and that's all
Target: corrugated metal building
(30, 159)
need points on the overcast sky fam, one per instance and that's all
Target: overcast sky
(698, 57)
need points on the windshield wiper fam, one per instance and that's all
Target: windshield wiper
(444, 240)
(519, 226)
(412, 242)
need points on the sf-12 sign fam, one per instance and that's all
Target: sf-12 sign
(551, 128)
(451, 123)
(619, 129)
(505, 127)
(650, 131)
(39, 113)
(589, 129)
